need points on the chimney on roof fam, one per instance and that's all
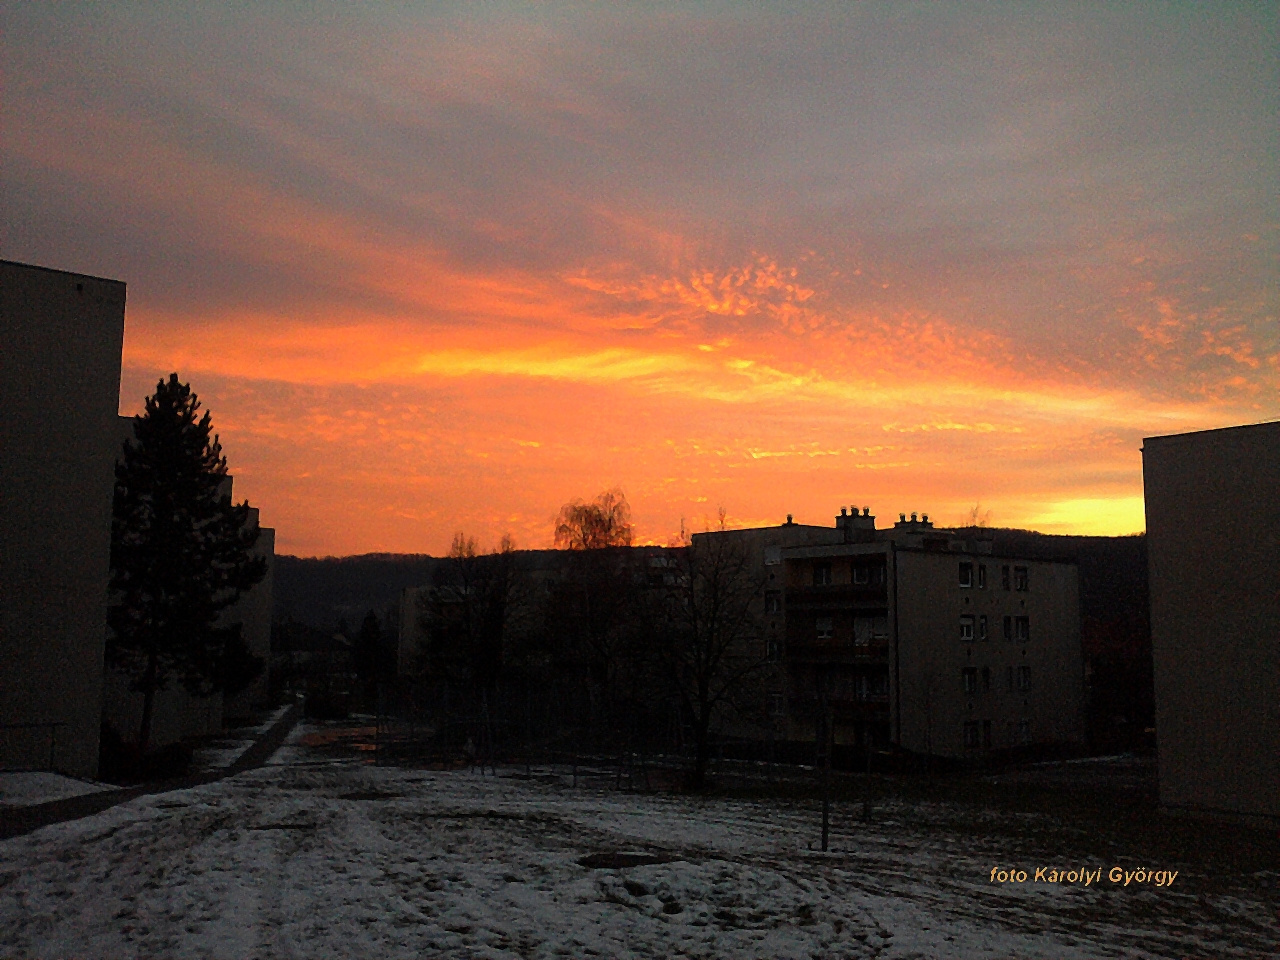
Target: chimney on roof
(788, 519)
(856, 528)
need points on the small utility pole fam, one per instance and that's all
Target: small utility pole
(824, 760)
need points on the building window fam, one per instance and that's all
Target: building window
(1008, 628)
(870, 629)
(772, 556)
(971, 734)
(966, 627)
(986, 734)
(777, 705)
(986, 679)
(1021, 579)
(982, 627)
(1022, 629)
(970, 677)
(1024, 731)
(1004, 577)
(821, 574)
(861, 575)
(1024, 678)
(825, 628)
(982, 576)
(1009, 677)
(773, 601)
(772, 650)
(966, 574)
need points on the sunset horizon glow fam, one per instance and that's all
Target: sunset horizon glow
(446, 269)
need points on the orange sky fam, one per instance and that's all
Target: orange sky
(440, 272)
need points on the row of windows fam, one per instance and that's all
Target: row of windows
(979, 738)
(862, 575)
(979, 681)
(1016, 578)
(1017, 629)
(867, 629)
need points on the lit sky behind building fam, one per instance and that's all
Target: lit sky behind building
(446, 267)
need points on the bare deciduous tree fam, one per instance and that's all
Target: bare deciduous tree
(710, 639)
(604, 522)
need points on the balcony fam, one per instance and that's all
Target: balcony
(836, 595)
(820, 651)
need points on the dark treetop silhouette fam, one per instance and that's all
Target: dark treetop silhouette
(181, 553)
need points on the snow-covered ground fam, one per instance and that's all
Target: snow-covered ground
(315, 857)
(22, 789)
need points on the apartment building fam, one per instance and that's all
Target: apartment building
(61, 336)
(1213, 541)
(916, 638)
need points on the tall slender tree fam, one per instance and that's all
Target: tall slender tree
(181, 554)
(590, 604)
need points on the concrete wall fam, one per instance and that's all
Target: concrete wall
(253, 611)
(1213, 540)
(60, 346)
(931, 700)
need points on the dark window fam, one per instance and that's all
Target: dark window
(870, 628)
(1004, 577)
(966, 574)
(861, 575)
(777, 705)
(966, 627)
(821, 574)
(1024, 731)
(825, 629)
(971, 734)
(1021, 579)
(1009, 677)
(1024, 678)
(970, 677)
(1008, 628)
(773, 650)
(773, 602)
(986, 679)
(1022, 629)
(986, 734)
(982, 627)
(982, 576)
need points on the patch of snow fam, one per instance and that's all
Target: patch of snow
(25, 789)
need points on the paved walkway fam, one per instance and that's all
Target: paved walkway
(15, 821)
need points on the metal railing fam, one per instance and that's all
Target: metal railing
(8, 751)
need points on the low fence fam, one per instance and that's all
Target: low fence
(636, 744)
(29, 746)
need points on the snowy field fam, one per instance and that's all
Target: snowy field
(315, 857)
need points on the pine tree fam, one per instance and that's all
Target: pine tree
(181, 553)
